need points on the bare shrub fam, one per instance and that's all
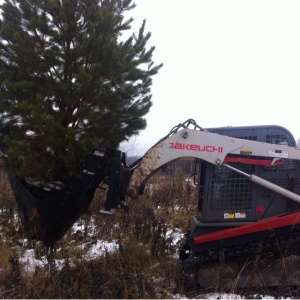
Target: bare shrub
(7, 201)
(174, 196)
(12, 284)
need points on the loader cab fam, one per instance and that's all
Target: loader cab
(230, 198)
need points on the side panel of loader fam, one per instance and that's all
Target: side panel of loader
(229, 197)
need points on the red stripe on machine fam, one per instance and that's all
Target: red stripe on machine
(262, 225)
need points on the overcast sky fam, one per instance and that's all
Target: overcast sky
(226, 63)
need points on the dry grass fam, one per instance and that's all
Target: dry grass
(144, 266)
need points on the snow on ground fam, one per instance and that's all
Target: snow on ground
(30, 262)
(175, 235)
(214, 296)
(99, 247)
(90, 251)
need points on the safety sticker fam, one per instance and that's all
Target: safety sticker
(228, 216)
(278, 153)
(240, 215)
(237, 215)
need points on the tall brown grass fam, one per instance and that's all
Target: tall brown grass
(145, 264)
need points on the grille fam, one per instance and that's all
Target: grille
(231, 190)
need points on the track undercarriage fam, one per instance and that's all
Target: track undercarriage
(253, 271)
(269, 258)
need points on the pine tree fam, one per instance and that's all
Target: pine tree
(69, 80)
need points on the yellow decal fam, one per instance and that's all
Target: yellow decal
(246, 151)
(228, 216)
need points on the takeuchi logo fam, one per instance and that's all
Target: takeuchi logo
(196, 147)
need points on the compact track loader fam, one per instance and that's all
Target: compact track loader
(248, 222)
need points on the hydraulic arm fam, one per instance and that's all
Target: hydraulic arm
(215, 149)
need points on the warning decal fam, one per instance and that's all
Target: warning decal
(278, 153)
(240, 215)
(237, 215)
